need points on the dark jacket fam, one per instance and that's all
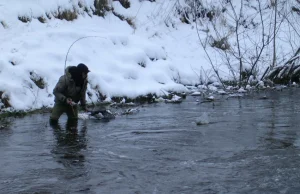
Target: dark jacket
(66, 88)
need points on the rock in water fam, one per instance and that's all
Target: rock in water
(203, 119)
(196, 94)
(175, 99)
(210, 98)
(83, 116)
(98, 115)
(101, 115)
(130, 111)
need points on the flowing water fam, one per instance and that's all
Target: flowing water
(250, 145)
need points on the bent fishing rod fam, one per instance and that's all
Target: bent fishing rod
(77, 40)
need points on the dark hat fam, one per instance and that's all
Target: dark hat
(83, 68)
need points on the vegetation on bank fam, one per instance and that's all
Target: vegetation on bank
(115, 102)
(100, 8)
(246, 37)
(169, 97)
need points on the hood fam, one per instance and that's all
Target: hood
(73, 75)
(68, 72)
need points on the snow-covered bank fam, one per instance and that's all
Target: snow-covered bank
(155, 54)
(122, 62)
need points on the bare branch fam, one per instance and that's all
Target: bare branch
(211, 63)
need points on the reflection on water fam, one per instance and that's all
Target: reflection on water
(278, 123)
(251, 145)
(69, 141)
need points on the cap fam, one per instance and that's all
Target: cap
(83, 68)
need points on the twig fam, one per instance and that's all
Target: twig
(163, 92)
(211, 63)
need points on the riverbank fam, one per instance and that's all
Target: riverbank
(204, 94)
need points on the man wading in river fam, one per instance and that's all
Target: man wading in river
(70, 89)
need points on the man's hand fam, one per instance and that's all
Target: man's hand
(69, 101)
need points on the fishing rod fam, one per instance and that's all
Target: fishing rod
(81, 38)
(66, 58)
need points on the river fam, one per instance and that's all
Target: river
(250, 145)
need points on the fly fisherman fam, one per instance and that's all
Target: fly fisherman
(70, 89)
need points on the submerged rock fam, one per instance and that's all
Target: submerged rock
(160, 99)
(242, 90)
(130, 111)
(196, 94)
(174, 99)
(237, 95)
(3, 126)
(210, 98)
(222, 92)
(203, 119)
(99, 114)
(263, 97)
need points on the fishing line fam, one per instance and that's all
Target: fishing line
(85, 37)
(77, 40)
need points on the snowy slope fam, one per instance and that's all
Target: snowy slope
(159, 53)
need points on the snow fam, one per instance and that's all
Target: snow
(160, 54)
(175, 99)
(222, 92)
(212, 98)
(196, 94)
(242, 90)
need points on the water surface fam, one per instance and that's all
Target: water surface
(250, 146)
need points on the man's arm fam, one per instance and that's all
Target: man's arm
(60, 87)
(83, 95)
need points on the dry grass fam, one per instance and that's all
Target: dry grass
(68, 15)
(128, 20)
(221, 44)
(24, 19)
(42, 19)
(4, 24)
(49, 16)
(4, 100)
(101, 6)
(125, 3)
(38, 80)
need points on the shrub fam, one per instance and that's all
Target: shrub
(125, 3)
(24, 19)
(4, 100)
(48, 16)
(100, 7)
(221, 44)
(128, 20)
(68, 15)
(4, 24)
(142, 64)
(38, 80)
(42, 19)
